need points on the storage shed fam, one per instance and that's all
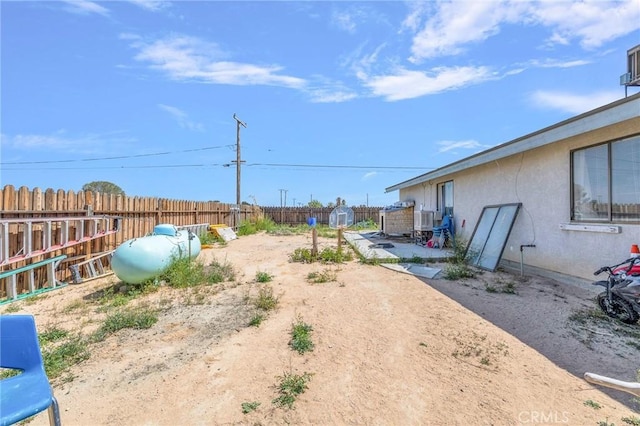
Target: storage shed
(397, 219)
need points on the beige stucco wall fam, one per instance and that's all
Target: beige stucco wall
(540, 180)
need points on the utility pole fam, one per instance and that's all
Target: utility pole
(281, 205)
(238, 161)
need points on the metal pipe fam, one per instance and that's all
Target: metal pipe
(522, 246)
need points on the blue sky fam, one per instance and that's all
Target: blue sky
(340, 98)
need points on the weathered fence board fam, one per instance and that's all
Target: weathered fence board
(139, 216)
(299, 215)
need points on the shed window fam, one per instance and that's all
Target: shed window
(606, 182)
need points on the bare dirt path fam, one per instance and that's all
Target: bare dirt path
(389, 350)
(558, 319)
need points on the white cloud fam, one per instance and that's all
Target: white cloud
(450, 27)
(189, 58)
(546, 63)
(406, 84)
(324, 90)
(573, 103)
(349, 16)
(331, 95)
(592, 23)
(446, 146)
(417, 11)
(181, 117)
(455, 24)
(55, 142)
(85, 7)
(61, 141)
(344, 20)
(555, 63)
(369, 175)
(151, 5)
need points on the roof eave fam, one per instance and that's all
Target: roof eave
(612, 113)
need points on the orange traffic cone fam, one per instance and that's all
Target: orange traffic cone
(635, 251)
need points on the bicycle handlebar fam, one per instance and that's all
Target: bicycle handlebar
(601, 270)
(631, 261)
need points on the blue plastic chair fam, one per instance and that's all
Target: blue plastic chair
(443, 233)
(28, 393)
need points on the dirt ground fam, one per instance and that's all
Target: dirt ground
(390, 349)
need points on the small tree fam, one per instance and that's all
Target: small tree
(315, 204)
(103, 187)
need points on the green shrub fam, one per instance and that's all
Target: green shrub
(256, 225)
(246, 228)
(459, 252)
(326, 232)
(291, 385)
(14, 307)
(120, 294)
(209, 238)
(365, 224)
(457, 271)
(256, 320)
(248, 407)
(51, 335)
(266, 299)
(138, 318)
(263, 277)
(329, 255)
(184, 272)
(301, 337)
(57, 358)
(302, 255)
(322, 277)
(218, 272)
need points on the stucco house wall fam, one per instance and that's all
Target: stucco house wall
(539, 178)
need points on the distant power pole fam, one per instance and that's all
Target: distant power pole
(238, 161)
(281, 205)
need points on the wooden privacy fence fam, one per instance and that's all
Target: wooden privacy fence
(299, 215)
(78, 229)
(34, 220)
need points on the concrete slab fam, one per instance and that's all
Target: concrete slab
(374, 245)
(413, 269)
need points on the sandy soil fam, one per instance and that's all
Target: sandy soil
(390, 349)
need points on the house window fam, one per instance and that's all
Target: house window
(606, 182)
(445, 198)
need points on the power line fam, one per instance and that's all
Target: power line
(290, 166)
(165, 166)
(120, 157)
(338, 166)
